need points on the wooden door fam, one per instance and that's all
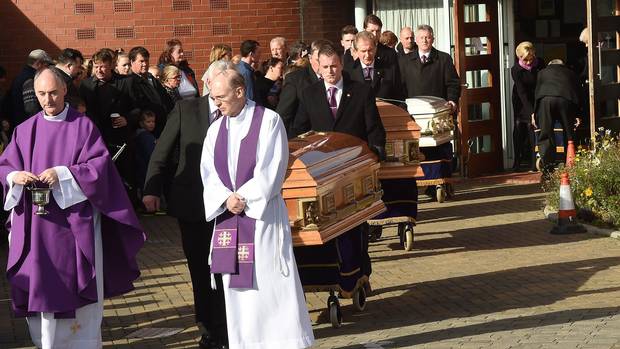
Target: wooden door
(604, 64)
(477, 61)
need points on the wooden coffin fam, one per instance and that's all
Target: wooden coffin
(434, 117)
(331, 186)
(402, 143)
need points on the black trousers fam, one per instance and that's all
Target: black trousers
(524, 141)
(551, 109)
(209, 304)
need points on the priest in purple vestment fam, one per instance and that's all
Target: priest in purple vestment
(61, 265)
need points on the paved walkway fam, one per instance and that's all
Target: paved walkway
(484, 273)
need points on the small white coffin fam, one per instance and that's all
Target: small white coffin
(433, 116)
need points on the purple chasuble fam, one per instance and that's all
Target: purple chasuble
(233, 239)
(51, 262)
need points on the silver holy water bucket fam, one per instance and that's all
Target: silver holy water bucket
(40, 197)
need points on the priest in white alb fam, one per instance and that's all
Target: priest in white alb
(243, 165)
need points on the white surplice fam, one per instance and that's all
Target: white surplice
(273, 314)
(84, 331)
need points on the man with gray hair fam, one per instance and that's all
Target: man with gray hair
(14, 107)
(243, 165)
(278, 48)
(428, 71)
(57, 264)
(177, 155)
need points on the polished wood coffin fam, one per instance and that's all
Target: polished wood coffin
(402, 143)
(331, 186)
(434, 117)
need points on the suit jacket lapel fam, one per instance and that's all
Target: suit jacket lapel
(344, 99)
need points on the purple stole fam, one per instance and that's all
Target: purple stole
(233, 240)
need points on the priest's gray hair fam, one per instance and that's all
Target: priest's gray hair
(427, 28)
(556, 61)
(235, 79)
(219, 66)
(55, 73)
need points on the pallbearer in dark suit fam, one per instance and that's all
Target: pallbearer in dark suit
(556, 99)
(342, 105)
(182, 140)
(295, 83)
(383, 78)
(428, 71)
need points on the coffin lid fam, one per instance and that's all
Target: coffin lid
(426, 105)
(395, 118)
(323, 152)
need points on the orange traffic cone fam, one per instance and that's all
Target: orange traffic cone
(567, 216)
(570, 154)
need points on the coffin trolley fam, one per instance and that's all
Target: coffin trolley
(436, 134)
(331, 188)
(398, 174)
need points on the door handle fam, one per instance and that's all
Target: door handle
(600, 59)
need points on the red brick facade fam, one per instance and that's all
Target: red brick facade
(88, 25)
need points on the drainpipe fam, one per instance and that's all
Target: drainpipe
(302, 5)
(360, 13)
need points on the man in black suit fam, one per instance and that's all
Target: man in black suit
(556, 99)
(69, 64)
(384, 79)
(407, 42)
(343, 105)
(347, 36)
(353, 109)
(428, 71)
(295, 83)
(107, 93)
(181, 140)
(147, 91)
(373, 24)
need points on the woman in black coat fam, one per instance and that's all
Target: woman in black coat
(524, 74)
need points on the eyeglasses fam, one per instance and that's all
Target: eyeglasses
(177, 77)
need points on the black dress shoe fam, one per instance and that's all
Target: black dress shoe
(206, 342)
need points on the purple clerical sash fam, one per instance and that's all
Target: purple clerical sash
(233, 240)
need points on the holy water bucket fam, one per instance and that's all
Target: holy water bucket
(40, 197)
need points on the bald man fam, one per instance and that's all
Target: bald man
(244, 161)
(57, 262)
(407, 42)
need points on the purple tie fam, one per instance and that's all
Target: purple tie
(368, 74)
(331, 99)
(424, 59)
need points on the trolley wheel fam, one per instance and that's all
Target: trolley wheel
(374, 233)
(539, 164)
(408, 238)
(359, 299)
(335, 315)
(441, 194)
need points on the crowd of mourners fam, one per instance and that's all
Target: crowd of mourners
(154, 118)
(129, 94)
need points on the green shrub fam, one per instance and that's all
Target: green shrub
(594, 179)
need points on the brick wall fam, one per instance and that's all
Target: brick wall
(88, 25)
(323, 19)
